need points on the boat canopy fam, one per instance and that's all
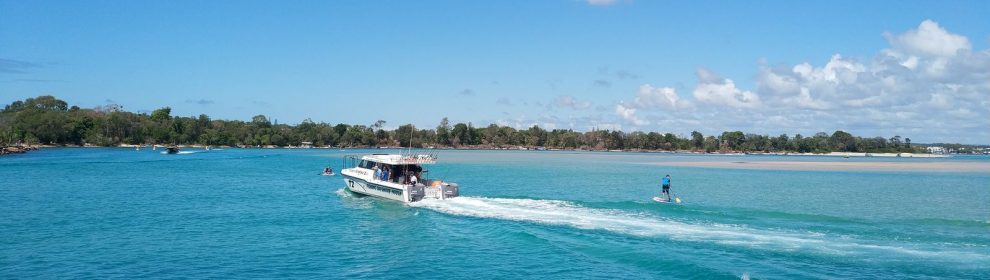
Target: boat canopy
(394, 159)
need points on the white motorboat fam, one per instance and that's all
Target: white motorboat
(395, 177)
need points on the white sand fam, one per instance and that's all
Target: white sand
(961, 166)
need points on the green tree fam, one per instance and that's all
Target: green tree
(842, 141)
(443, 132)
(381, 136)
(697, 140)
(711, 144)
(733, 140)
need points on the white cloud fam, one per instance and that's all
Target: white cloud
(929, 39)
(571, 102)
(628, 113)
(927, 80)
(804, 100)
(718, 91)
(652, 97)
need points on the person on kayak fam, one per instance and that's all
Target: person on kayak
(666, 186)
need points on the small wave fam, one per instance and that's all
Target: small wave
(564, 213)
(948, 222)
(353, 200)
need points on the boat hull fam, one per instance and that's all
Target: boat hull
(361, 186)
(403, 193)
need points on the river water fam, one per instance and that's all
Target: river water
(114, 212)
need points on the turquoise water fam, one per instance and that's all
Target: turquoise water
(98, 213)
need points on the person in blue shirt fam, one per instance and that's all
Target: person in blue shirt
(666, 186)
(378, 173)
(385, 175)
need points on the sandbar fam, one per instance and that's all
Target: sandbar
(941, 166)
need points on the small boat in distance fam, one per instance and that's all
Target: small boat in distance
(172, 150)
(328, 171)
(395, 177)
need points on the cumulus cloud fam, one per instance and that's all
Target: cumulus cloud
(929, 84)
(652, 97)
(567, 101)
(927, 79)
(628, 113)
(929, 39)
(715, 90)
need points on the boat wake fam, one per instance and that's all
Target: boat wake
(181, 152)
(564, 213)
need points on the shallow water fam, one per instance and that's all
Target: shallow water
(98, 213)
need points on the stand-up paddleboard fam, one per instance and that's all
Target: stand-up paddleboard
(664, 200)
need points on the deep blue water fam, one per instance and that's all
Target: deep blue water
(99, 213)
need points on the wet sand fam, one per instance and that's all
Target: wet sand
(982, 167)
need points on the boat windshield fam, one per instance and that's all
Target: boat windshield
(367, 164)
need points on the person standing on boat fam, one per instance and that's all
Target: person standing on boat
(666, 186)
(412, 178)
(378, 173)
(384, 174)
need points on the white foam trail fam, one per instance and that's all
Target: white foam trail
(180, 152)
(556, 212)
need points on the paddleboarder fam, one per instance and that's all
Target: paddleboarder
(666, 186)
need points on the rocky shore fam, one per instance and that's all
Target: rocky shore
(9, 150)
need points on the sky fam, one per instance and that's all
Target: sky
(918, 69)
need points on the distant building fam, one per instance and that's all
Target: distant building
(306, 145)
(936, 150)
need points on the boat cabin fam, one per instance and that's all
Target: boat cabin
(398, 169)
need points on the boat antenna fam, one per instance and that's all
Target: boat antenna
(409, 147)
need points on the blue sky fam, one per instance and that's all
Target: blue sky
(875, 68)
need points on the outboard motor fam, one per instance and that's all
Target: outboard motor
(416, 193)
(449, 190)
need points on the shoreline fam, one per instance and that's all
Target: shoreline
(13, 150)
(522, 148)
(928, 166)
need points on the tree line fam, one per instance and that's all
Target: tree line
(48, 120)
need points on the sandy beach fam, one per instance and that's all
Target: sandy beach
(840, 166)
